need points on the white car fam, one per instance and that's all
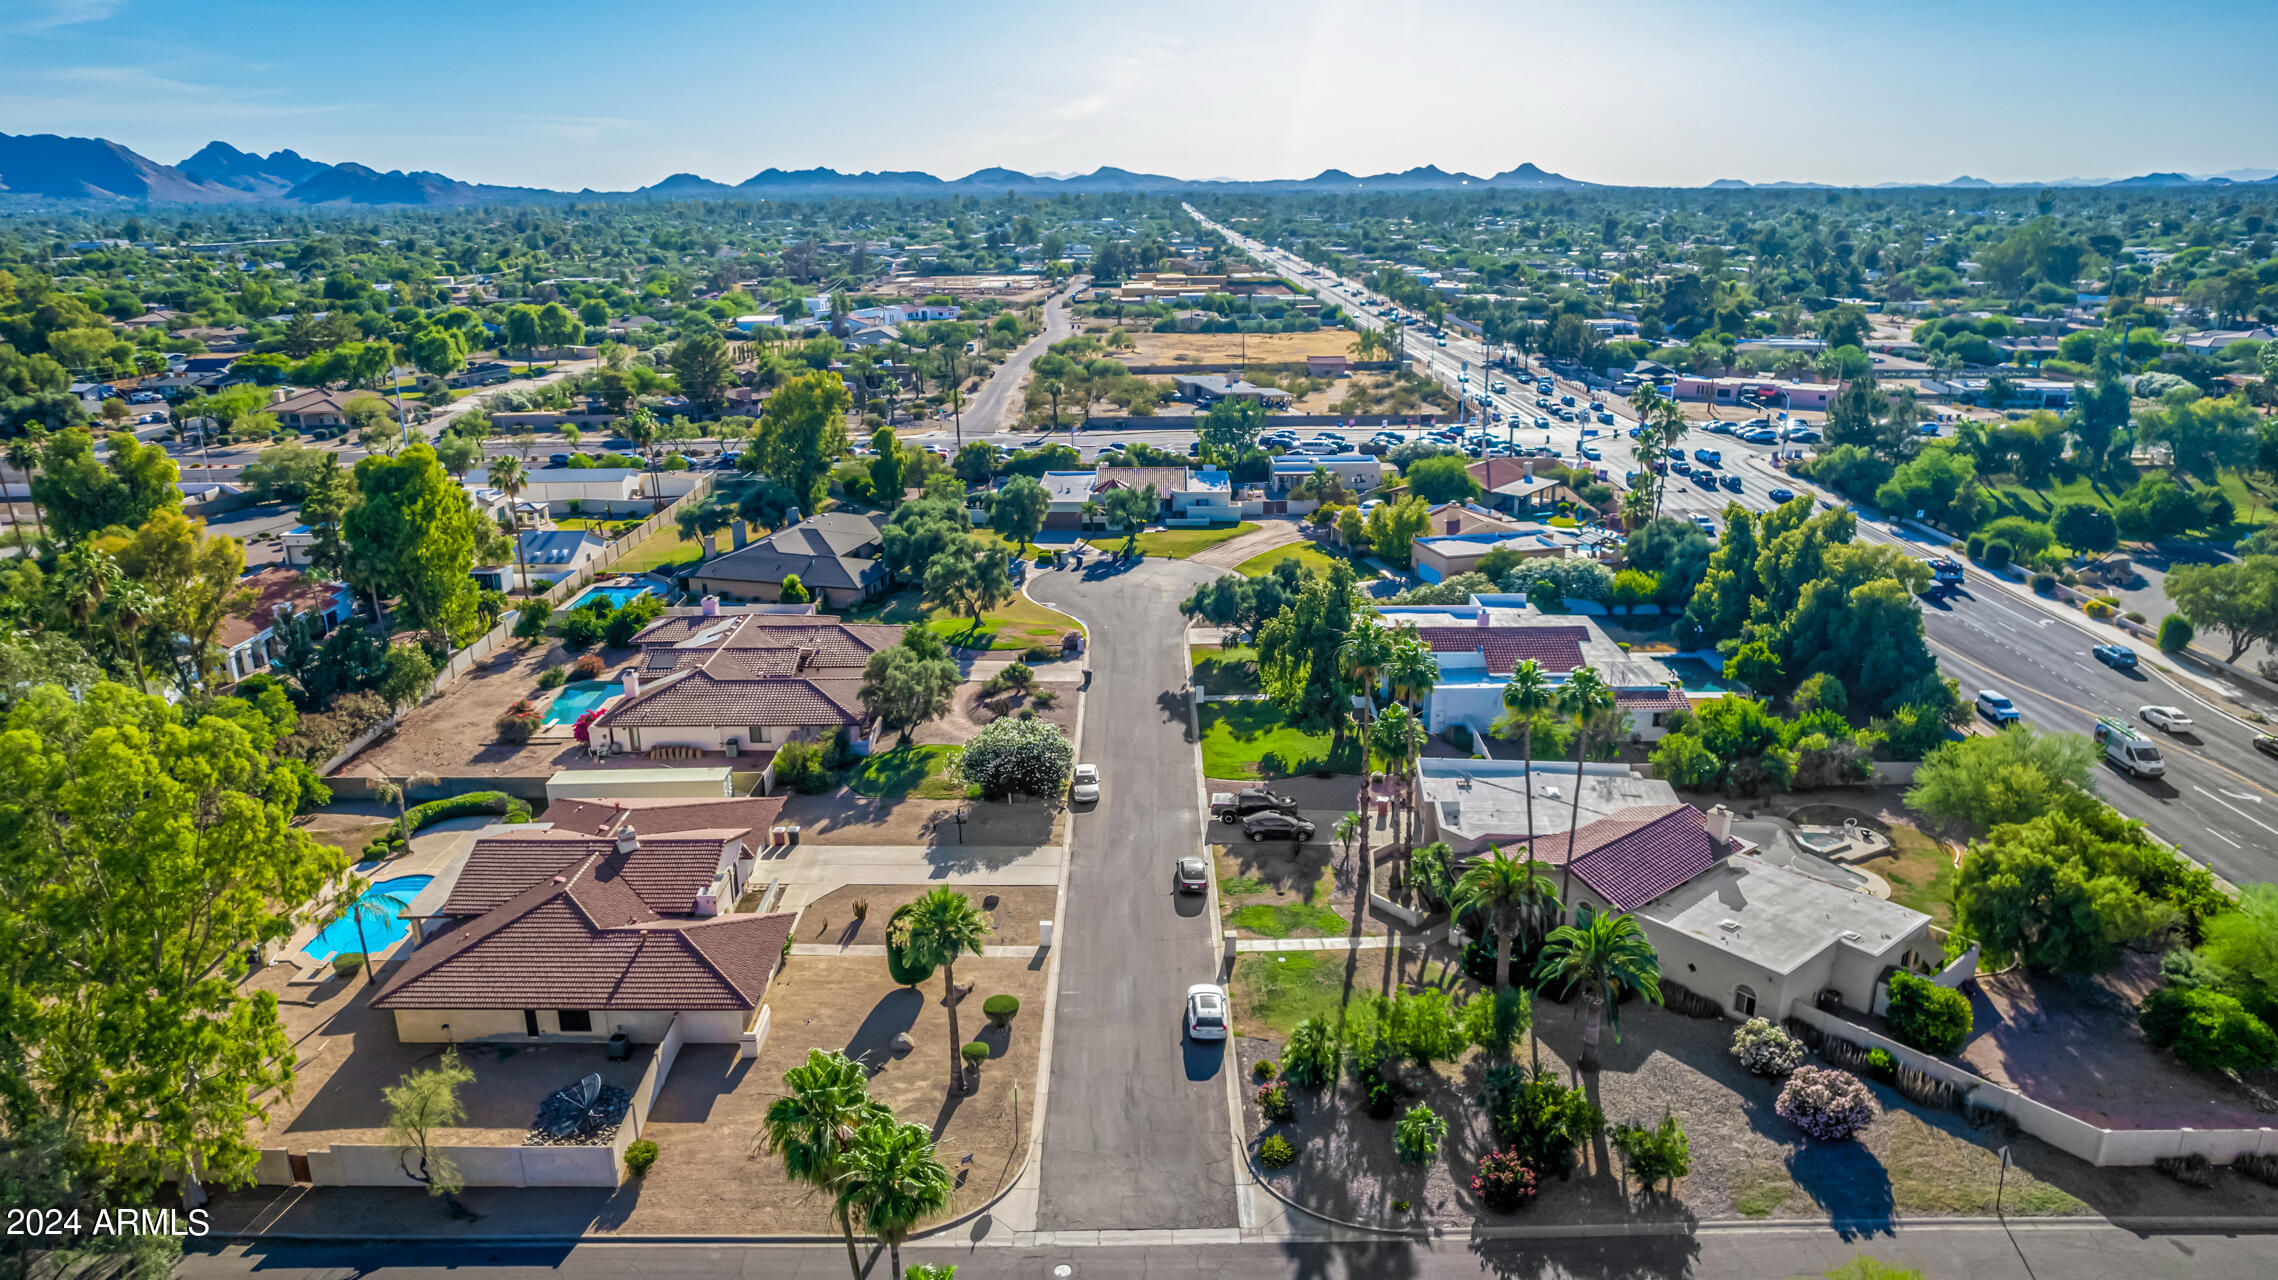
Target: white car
(1205, 1012)
(2171, 719)
(1086, 790)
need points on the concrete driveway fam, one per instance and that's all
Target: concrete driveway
(1136, 1135)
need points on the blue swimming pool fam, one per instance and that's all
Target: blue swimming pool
(617, 596)
(576, 699)
(341, 934)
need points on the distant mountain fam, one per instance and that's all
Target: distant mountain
(1967, 181)
(43, 164)
(271, 175)
(2166, 180)
(1527, 175)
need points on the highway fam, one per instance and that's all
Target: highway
(2218, 801)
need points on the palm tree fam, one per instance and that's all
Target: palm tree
(1605, 955)
(1507, 890)
(1364, 651)
(941, 926)
(1399, 740)
(1412, 672)
(814, 1125)
(893, 1181)
(1528, 694)
(1587, 699)
(25, 453)
(84, 577)
(359, 901)
(510, 477)
(131, 605)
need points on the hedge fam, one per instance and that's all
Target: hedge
(1923, 1015)
(908, 975)
(473, 803)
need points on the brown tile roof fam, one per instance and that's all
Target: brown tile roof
(763, 644)
(1558, 649)
(668, 815)
(1632, 857)
(1652, 700)
(665, 871)
(698, 697)
(581, 941)
(1167, 480)
(1466, 520)
(271, 587)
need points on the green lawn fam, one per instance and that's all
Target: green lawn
(1013, 626)
(1288, 919)
(1304, 553)
(1222, 671)
(2254, 504)
(906, 771)
(665, 552)
(1250, 740)
(1178, 544)
(1283, 988)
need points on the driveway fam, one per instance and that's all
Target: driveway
(1137, 1133)
(993, 406)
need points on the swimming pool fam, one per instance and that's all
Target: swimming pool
(341, 935)
(617, 596)
(576, 699)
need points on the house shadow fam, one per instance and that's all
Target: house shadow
(873, 1042)
(701, 1076)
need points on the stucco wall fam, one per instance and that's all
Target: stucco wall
(442, 1026)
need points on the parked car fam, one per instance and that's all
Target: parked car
(1997, 707)
(1086, 788)
(2171, 719)
(1272, 824)
(1192, 876)
(1233, 806)
(1205, 1012)
(1762, 435)
(558, 460)
(2119, 657)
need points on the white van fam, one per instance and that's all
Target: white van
(2128, 749)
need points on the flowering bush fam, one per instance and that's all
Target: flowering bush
(1274, 1103)
(519, 722)
(587, 667)
(1827, 1104)
(1765, 1049)
(1504, 1182)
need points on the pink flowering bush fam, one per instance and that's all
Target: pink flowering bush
(1504, 1181)
(1827, 1104)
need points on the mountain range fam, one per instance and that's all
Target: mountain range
(50, 167)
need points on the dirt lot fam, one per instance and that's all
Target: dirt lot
(1227, 348)
(457, 732)
(830, 918)
(1015, 290)
(846, 818)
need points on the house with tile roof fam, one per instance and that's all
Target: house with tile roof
(836, 555)
(249, 642)
(1514, 487)
(1476, 647)
(312, 410)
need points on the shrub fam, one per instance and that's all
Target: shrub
(1540, 1117)
(519, 723)
(553, 677)
(1881, 1065)
(532, 619)
(1765, 1049)
(581, 629)
(1382, 1100)
(799, 766)
(1276, 1152)
(2174, 633)
(1312, 1055)
(2193, 1170)
(2044, 583)
(1274, 1103)
(587, 667)
(1039, 653)
(1660, 1154)
(1262, 1068)
(2207, 1030)
(1014, 675)
(473, 803)
(1826, 1104)
(1975, 547)
(1418, 1135)
(2262, 1168)
(1030, 756)
(1998, 554)
(347, 962)
(1044, 697)
(1504, 1182)
(1000, 1009)
(1926, 1016)
(974, 1053)
(640, 1157)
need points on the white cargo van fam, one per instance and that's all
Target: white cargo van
(2128, 749)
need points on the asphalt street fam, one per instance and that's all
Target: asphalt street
(993, 405)
(1977, 1251)
(1136, 1129)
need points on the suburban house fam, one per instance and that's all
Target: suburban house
(249, 644)
(1069, 491)
(834, 555)
(1360, 472)
(312, 410)
(547, 556)
(1328, 366)
(1511, 485)
(1455, 519)
(2027, 393)
(1210, 388)
(1769, 392)
(737, 680)
(1476, 646)
(1207, 496)
(1440, 556)
(617, 917)
(1729, 923)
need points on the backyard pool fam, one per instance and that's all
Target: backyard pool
(578, 698)
(378, 934)
(616, 596)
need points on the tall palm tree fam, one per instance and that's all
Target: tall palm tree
(1399, 739)
(941, 926)
(1508, 890)
(1605, 956)
(25, 453)
(813, 1127)
(510, 477)
(1527, 694)
(84, 577)
(1589, 701)
(1412, 672)
(1363, 652)
(893, 1181)
(359, 901)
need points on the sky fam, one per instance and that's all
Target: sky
(569, 94)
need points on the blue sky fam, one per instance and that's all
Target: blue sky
(572, 94)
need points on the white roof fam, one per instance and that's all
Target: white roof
(1776, 918)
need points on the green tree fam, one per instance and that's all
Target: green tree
(82, 495)
(1720, 604)
(1129, 510)
(802, 433)
(1588, 701)
(2237, 598)
(907, 684)
(1230, 427)
(2085, 527)
(812, 1126)
(971, 578)
(1508, 891)
(1394, 526)
(1442, 479)
(886, 470)
(2015, 775)
(420, 1106)
(892, 1182)
(1020, 509)
(1606, 955)
(406, 676)
(414, 534)
(700, 364)
(1298, 664)
(793, 591)
(508, 476)
(2045, 892)
(1527, 696)
(940, 926)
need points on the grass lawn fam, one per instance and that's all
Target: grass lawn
(1304, 553)
(665, 552)
(2254, 504)
(906, 771)
(1273, 991)
(1014, 625)
(1178, 544)
(1921, 874)
(1288, 919)
(1250, 740)
(1279, 891)
(1220, 671)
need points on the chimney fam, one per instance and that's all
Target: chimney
(1720, 829)
(1454, 525)
(277, 396)
(711, 606)
(632, 682)
(741, 532)
(790, 517)
(628, 839)
(806, 657)
(1483, 619)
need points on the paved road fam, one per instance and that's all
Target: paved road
(1975, 1251)
(1136, 1131)
(995, 405)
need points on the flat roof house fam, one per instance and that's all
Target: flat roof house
(1360, 472)
(577, 490)
(834, 555)
(547, 556)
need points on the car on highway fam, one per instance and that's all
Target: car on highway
(2119, 657)
(1086, 788)
(1206, 1012)
(1590, 451)
(1730, 482)
(1707, 457)
(1272, 825)
(2171, 719)
(1681, 467)
(1568, 401)
(1707, 526)
(1783, 495)
(1192, 876)
(1596, 404)
(2267, 744)
(1440, 341)
(1496, 386)
(1997, 707)
(1705, 479)
(1926, 429)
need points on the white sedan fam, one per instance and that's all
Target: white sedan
(1086, 790)
(1205, 1012)
(2171, 719)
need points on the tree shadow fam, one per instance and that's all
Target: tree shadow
(1629, 1257)
(895, 1013)
(1173, 704)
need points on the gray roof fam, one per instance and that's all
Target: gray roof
(559, 546)
(1481, 802)
(1780, 918)
(830, 550)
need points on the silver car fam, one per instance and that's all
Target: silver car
(1206, 1014)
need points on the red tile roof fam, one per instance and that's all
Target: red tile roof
(274, 586)
(584, 941)
(665, 815)
(1652, 700)
(665, 871)
(1635, 856)
(1558, 649)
